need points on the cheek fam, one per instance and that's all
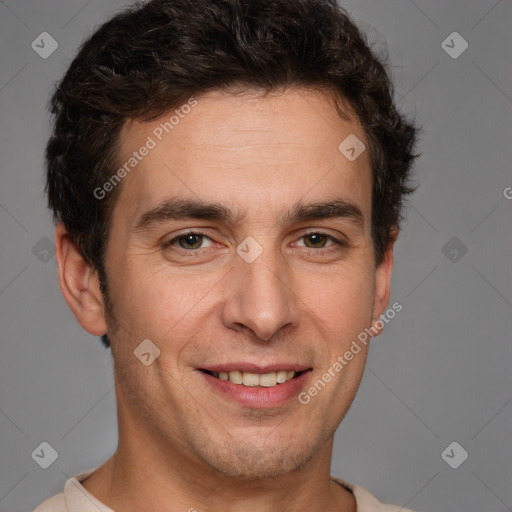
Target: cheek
(343, 301)
(152, 302)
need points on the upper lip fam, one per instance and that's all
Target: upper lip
(255, 368)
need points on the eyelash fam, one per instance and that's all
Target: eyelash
(318, 251)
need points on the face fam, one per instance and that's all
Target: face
(240, 245)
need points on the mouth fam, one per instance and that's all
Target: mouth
(250, 379)
(253, 386)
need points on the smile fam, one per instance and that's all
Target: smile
(254, 386)
(266, 380)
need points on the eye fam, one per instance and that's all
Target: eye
(317, 240)
(191, 241)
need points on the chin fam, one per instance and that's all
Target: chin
(246, 460)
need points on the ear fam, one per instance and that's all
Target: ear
(383, 284)
(79, 284)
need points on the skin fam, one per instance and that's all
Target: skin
(183, 445)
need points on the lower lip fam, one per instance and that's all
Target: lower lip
(257, 396)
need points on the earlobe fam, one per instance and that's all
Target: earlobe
(383, 285)
(79, 284)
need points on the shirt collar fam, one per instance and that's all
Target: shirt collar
(79, 499)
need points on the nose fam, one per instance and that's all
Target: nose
(261, 298)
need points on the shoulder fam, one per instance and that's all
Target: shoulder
(367, 502)
(56, 503)
(73, 498)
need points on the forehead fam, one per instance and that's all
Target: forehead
(248, 151)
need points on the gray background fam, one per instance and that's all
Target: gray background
(440, 372)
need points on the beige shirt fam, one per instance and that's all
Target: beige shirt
(76, 498)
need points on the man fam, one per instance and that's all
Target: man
(227, 177)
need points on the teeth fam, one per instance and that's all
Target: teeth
(236, 377)
(266, 380)
(250, 379)
(281, 377)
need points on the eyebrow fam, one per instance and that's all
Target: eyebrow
(174, 209)
(336, 208)
(184, 209)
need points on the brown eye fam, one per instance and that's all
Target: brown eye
(190, 241)
(316, 240)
